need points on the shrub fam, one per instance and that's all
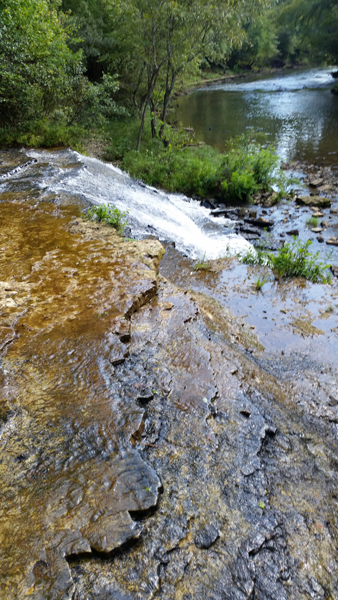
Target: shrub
(109, 214)
(292, 260)
(244, 169)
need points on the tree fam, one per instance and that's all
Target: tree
(169, 36)
(316, 25)
(37, 69)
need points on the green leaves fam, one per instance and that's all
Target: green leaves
(292, 260)
(108, 214)
(36, 66)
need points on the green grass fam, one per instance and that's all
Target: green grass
(201, 265)
(108, 214)
(312, 222)
(245, 168)
(260, 282)
(292, 260)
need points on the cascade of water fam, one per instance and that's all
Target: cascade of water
(171, 217)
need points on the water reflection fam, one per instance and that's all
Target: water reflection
(297, 112)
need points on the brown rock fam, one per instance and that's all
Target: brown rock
(260, 222)
(121, 328)
(333, 241)
(119, 353)
(326, 189)
(316, 182)
(313, 201)
(110, 532)
(306, 327)
(270, 201)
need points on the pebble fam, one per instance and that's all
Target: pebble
(332, 241)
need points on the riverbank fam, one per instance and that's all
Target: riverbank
(219, 78)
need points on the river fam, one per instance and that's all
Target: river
(158, 441)
(295, 109)
(154, 443)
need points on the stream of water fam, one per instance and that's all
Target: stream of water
(295, 110)
(66, 174)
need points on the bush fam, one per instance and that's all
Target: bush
(45, 134)
(243, 170)
(292, 260)
(109, 214)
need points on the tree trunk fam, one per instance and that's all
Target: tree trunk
(153, 120)
(141, 125)
(166, 100)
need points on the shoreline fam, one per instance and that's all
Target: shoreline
(227, 78)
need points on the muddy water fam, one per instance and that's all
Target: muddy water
(158, 443)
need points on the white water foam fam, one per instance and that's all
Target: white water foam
(171, 217)
(310, 79)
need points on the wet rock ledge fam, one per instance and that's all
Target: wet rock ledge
(144, 454)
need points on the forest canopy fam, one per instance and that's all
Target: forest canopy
(80, 63)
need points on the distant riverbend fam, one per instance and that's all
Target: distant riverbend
(296, 110)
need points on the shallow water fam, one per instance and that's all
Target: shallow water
(66, 174)
(296, 111)
(120, 396)
(69, 475)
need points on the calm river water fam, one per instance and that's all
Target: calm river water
(295, 109)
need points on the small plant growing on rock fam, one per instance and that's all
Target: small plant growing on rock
(108, 214)
(260, 282)
(296, 260)
(201, 265)
(312, 222)
(292, 260)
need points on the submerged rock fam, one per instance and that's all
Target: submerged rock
(313, 201)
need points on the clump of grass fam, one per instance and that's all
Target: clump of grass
(108, 214)
(258, 256)
(201, 265)
(295, 260)
(312, 222)
(292, 260)
(260, 282)
(245, 168)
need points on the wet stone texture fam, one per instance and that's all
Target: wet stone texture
(249, 502)
(147, 448)
(70, 478)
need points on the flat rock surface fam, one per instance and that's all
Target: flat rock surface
(247, 507)
(152, 445)
(70, 477)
